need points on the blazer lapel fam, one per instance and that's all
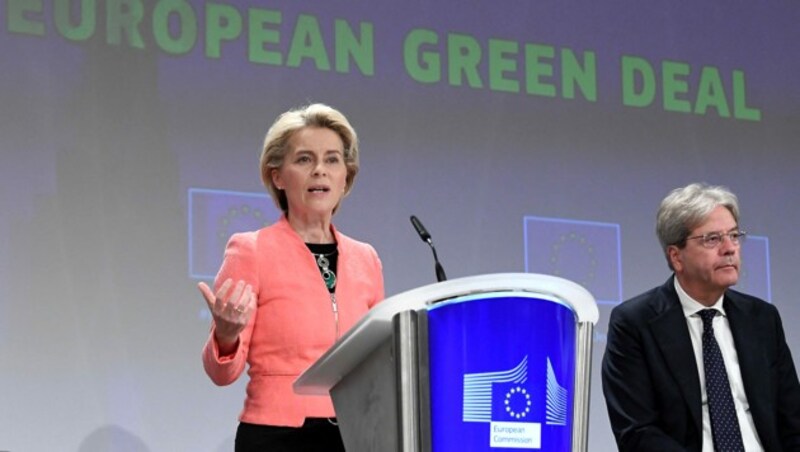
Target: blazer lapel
(669, 325)
(752, 361)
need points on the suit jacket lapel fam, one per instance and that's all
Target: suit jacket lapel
(669, 325)
(752, 362)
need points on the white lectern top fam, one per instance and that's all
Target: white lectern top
(376, 326)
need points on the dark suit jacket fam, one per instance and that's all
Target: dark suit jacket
(651, 383)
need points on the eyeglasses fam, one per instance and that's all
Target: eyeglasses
(714, 239)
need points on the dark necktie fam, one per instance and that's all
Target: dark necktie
(724, 424)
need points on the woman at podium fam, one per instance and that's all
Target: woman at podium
(286, 292)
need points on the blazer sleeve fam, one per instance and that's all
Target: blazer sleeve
(377, 271)
(788, 397)
(239, 263)
(629, 389)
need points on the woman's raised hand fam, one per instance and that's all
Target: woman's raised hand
(231, 308)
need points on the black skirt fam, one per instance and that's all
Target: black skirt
(315, 435)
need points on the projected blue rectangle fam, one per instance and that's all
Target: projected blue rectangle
(216, 214)
(754, 276)
(501, 373)
(585, 252)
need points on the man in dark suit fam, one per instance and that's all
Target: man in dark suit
(693, 365)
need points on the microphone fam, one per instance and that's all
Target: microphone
(426, 237)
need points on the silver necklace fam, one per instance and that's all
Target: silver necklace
(327, 274)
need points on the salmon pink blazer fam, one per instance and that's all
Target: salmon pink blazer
(294, 323)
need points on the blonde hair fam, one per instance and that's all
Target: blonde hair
(276, 144)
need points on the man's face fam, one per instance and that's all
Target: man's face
(703, 272)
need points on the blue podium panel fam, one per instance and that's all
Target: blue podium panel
(502, 369)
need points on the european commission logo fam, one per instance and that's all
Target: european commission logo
(508, 403)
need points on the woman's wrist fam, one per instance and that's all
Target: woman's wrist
(226, 346)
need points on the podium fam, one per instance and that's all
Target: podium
(497, 361)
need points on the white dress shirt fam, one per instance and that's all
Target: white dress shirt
(722, 332)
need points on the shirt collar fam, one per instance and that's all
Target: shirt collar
(691, 306)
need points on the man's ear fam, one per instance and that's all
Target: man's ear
(675, 258)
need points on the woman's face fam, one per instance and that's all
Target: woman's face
(313, 173)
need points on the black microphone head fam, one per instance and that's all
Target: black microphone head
(423, 233)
